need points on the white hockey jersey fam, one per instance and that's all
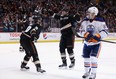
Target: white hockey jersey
(98, 25)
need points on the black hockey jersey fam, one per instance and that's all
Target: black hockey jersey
(66, 22)
(32, 32)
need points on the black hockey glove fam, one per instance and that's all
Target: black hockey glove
(34, 38)
(21, 49)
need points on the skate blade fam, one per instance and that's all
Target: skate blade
(23, 69)
(65, 67)
(41, 72)
(71, 67)
(86, 78)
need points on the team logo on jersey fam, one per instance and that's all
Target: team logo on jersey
(90, 29)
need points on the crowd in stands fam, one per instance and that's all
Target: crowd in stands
(16, 14)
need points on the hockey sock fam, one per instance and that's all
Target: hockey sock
(63, 57)
(93, 64)
(87, 65)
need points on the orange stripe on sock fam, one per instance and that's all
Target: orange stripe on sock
(94, 65)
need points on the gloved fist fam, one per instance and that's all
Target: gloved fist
(35, 39)
(96, 38)
(21, 49)
(88, 36)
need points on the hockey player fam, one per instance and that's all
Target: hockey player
(27, 39)
(67, 22)
(93, 29)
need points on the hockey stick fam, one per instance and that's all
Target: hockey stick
(100, 40)
(77, 35)
(108, 41)
(74, 32)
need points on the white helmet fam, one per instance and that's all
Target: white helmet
(92, 12)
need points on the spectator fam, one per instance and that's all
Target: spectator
(42, 8)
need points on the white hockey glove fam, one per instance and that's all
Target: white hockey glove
(21, 49)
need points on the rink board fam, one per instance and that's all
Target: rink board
(14, 37)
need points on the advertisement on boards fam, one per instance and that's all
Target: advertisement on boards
(15, 37)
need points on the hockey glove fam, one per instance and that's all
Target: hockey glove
(96, 38)
(88, 36)
(21, 49)
(35, 39)
(33, 34)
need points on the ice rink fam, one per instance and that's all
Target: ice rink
(10, 60)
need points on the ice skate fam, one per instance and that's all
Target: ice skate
(86, 75)
(63, 66)
(71, 65)
(92, 76)
(23, 68)
(40, 70)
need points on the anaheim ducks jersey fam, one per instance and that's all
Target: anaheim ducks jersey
(34, 29)
(98, 25)
(66, 22)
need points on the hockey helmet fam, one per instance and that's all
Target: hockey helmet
(92, 12)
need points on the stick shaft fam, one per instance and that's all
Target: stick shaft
(108, 41)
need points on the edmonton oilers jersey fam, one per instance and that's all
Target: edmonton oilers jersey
(98, 25)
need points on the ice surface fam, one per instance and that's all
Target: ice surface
(10, 60)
